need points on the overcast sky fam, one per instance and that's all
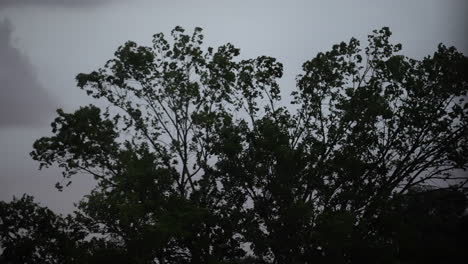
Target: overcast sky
(45, 43)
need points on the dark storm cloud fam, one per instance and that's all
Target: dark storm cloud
(23, 101)
(62, 3)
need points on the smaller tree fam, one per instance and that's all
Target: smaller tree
(34, 234)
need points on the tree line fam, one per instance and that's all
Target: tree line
(198, 159)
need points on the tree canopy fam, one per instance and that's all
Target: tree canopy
(198, 159)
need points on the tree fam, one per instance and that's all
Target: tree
(198, 160)
(34, 234)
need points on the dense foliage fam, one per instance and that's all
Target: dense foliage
(198, 160)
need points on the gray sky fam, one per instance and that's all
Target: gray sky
(20, 86)
(45, 43)
(52, 3)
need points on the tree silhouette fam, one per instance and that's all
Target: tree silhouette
(198, 160)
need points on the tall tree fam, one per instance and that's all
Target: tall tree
(198, 160)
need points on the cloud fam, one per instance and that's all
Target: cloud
(23, 100)
(59, 3)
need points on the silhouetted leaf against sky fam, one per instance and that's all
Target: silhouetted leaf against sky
(23, 100)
